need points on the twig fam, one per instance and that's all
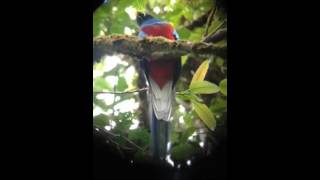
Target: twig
(114, 96)
(215, 37)
(211, 37)
(114, 142)
(209, 20)
(125, 92)
(123, 137)
(132, 143)
(198, 22)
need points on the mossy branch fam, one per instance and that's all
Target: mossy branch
(152, 46)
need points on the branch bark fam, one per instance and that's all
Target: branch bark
(152, 47)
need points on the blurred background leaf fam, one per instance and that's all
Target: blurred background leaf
(223, 86)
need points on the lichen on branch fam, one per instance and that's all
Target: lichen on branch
(152, 46)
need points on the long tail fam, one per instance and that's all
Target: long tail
(160, 136)
(160, 102)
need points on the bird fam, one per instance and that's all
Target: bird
(162, 74)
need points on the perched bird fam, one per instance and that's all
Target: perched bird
(162, 74)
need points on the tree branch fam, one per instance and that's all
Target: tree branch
(152, 46)
(198, 22)
(125, 92)
(216, 36)
(108, 133)
(210, 19)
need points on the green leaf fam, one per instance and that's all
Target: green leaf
(218, 105)
(186, 134)
(100, 103)
(100, 84)
(139, 136)
(184, 33)
(188, 119)
(182, 152)
(123, 122)
(196, 35)
(205, 114)
(140, 156)
(174, 137)
(122, 84)
(201, 72)
(219, 61)
(101, 120)
(140, 5)
(99, 16)
(215, 25)
(98, 66)
(184, 60)
(203, 87)
(119, 139)
(188, 96)
(223, 87)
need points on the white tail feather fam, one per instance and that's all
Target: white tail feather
(161, 99)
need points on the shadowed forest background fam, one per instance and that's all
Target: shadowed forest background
(199, 120)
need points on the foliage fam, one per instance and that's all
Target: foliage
(201, 89)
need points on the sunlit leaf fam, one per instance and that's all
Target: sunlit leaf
(98, 66)
(205, 114)
(197, 35)
(100, 16)
(223, 87)
(101, 84)
(100, 103)
(203, 87)
(222, 43)
(122, 84)
(140, 5)
(188, 119)
(216, 24)
(184, 33)
(183, 60)
(201, 72)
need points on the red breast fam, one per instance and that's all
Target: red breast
(164, 30)
(160, 70)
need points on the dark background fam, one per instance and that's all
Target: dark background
(46, 76)
(108, 163)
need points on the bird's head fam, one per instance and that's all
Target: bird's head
(142, 17)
